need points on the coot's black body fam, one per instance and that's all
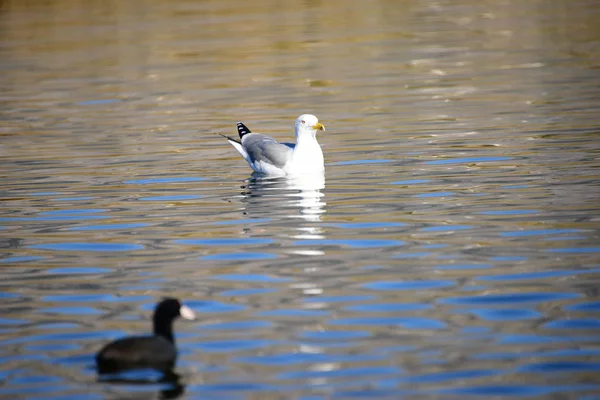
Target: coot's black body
(138, 352)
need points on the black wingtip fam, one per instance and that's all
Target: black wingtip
(242, 129)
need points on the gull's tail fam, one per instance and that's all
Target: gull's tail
(237, 143)
(242, 129)
(230, 138)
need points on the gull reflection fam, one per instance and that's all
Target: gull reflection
(309, 198)
(295, 206)
(289, 198)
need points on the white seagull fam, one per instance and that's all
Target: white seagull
(267, 156)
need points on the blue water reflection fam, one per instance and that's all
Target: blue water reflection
(508, 298)
(465, 160)
(356, 243)
(238, 256)
(109, 226)
(109, 247)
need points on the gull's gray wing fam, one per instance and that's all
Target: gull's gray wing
(266, 149)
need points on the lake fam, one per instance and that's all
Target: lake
(451, 249)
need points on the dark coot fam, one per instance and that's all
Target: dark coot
(137, 352)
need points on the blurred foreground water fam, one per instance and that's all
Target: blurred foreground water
(451, 250)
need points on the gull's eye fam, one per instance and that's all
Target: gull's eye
(303, 121)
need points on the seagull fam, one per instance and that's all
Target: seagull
(267, 156)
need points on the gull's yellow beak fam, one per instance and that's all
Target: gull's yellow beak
(319, 127)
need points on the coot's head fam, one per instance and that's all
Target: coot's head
(166, 312)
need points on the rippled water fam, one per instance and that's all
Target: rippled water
(451, 250)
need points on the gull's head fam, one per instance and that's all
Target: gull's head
(308, 124)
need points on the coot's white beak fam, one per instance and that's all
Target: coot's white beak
(186, 313)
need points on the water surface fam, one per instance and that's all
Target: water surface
(450, 250)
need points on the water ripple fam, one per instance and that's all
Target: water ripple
(453, 375)
(355, 243)
(466, 160)
(238, 325)
(71, 311)
(361, 162)
(228, 346)
(538, 232)
(109, 226)
(181, 179)
(589, 306)
(405, 322)
(574, 323)
(87, 246)
(20, 259)
(410, 181)
(506, 314)
(446, 228)
(247, 256)
(78, 270)
(575, 250)
(382, 307)
(366, 225)
(249, 278)
(225, 241)
(334, 335)
(181, 197)
(345, 372)
(409, 285)
(517, 390)
(213, 306)
(507, 298)
(527, 276)
(560, 366)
